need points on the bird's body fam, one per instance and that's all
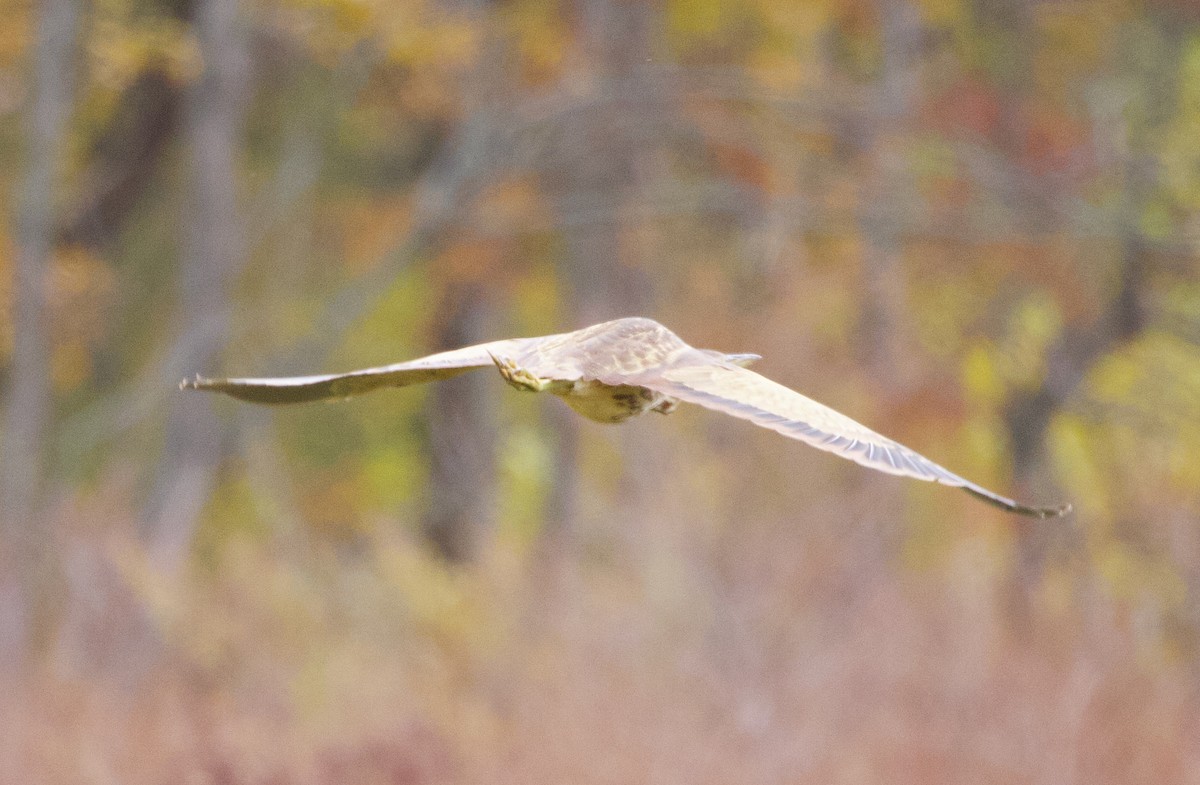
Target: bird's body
(616, 370)
(611, 404)
(594, 369)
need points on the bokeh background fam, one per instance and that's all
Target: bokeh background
(971, 224)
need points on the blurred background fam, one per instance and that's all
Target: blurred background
(972, 224)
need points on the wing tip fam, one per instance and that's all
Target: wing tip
(192, 383)
(1042, 513)
(1056, 512)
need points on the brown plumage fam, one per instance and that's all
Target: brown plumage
(616, 370)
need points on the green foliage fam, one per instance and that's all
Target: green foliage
(525, 470)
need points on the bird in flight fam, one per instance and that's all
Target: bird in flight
(612, 371)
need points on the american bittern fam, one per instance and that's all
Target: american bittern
(616, 370)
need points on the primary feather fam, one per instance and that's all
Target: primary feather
(301, 389)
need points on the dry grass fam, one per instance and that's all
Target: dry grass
(774, 626)
(781, 655)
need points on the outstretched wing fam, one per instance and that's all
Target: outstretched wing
(298, 389)
(743, 393)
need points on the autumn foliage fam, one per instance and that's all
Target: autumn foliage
(971, 225)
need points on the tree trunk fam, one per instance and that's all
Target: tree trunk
(884, 329)
(462, 433)
(27, 417)
(213, 251)
(460, 516)
(126, 159)
(596, 171)
(1029, 413)
(1079, 348)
